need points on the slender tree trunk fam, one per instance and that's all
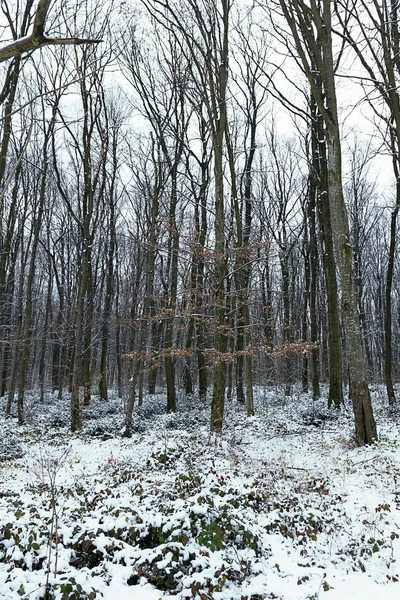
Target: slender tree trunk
(220, 340)
(187, 369)
(118, 343)
(156, 335)
(76, 417)
(313, 285)
(388, 302)
(56, 365)
(201, 234)
(200, 339)
(44, 345)
(37, 225)
(169, 335)
(105, 330)
(148, 302)
(8, 259)
(306, 300)
(230, 370)
(130, 406)
(59, 341)
(18, 334)
(287, 325)
(335, 394)
(109, 293)
(87, 335)
(243, 338)
(266, 295)
(5, 312)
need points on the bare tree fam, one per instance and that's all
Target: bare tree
(202, 34)
(285, 192)
(372, 31)
(311, 29)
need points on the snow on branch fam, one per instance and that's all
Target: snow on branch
(38, 39)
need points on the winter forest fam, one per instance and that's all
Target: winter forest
(198, 255)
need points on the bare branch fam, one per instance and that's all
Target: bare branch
(38, 39)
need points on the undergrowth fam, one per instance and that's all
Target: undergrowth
(191, 515)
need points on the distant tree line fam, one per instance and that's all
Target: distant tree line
(157, 227)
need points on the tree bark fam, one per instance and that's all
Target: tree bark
(364, 420)
(335, 394)
(388, 302)
(38, 39)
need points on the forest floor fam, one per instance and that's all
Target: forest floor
(282, 505)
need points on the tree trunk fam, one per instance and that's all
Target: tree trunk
(169, 335)
(37, 225)
(306, 300)
(218, 400)
(220, 340)
(313, 271)
(44, 345)
(364, 420)
(388, 302)
(335, 394)
(87, 335)
(287, 325)
(108, 300)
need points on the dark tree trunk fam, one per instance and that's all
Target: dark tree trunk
(335, 394)
(388, 302)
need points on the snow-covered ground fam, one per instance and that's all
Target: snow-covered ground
(283, 505)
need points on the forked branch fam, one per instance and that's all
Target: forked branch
(38, 39)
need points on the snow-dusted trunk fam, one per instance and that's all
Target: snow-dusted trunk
(364, 420)
(220, 341)
(173, 249)
(388, 301)
(220, 78)
(335, 397)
